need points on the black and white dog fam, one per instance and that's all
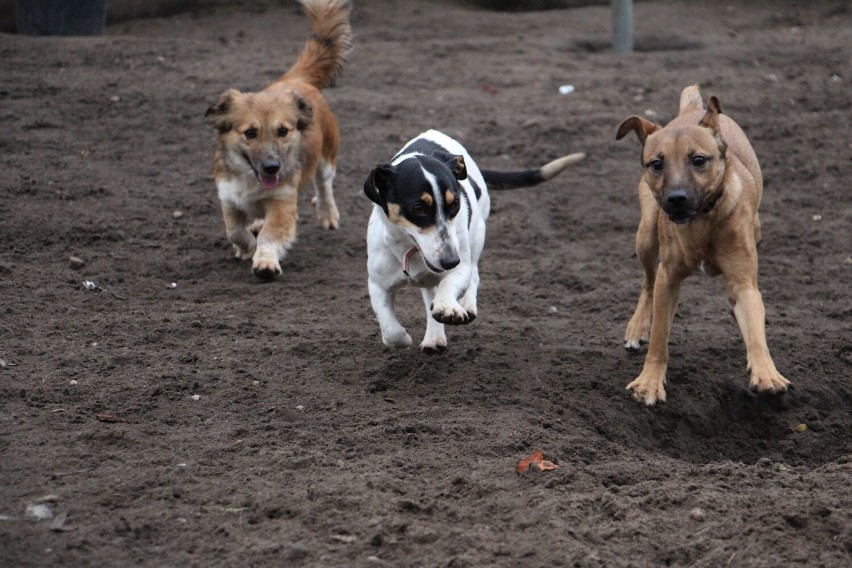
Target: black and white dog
(428, 229)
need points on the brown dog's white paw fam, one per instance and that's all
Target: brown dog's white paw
(766, 378)
(450, 313)
(636, 335)
(648, 388)
(328, 217)
(266, 268)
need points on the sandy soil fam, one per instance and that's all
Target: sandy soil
(222, 421)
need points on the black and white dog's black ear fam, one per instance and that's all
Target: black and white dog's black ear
(378, 183)
(455, 163)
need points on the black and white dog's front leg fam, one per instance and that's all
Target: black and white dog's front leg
(393, 334)
(445, 306)
(435, 339)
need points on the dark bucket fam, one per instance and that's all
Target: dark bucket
(61, 17)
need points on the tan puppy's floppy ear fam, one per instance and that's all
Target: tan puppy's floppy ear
(221, 109)
(711, 120)
(639, 125)
(711, 117)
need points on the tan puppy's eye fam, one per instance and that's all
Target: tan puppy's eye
(250, 133)
(656, 165)
(282, 131)
(699, 161)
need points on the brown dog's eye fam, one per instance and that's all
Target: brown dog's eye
(250, 133)
(282, 131)
(656, 165)
(699, 161)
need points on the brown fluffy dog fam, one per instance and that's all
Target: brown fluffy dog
(699, 194)
(277, 141)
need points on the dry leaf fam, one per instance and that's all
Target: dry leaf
(536, 459)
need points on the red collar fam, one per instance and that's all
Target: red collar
(406, 258)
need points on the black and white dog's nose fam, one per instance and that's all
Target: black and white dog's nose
(448, 262)
(270, 167)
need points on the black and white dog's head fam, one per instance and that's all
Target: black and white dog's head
(420, 194)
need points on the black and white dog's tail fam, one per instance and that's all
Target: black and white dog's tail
(527, 178)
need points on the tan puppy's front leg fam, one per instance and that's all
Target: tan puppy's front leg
(238, 234)
(648, 386)
(647, 250)
(751, 318)
(276, 237)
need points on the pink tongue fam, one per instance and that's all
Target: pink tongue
(267, 181)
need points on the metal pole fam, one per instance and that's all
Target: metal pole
(622, 26)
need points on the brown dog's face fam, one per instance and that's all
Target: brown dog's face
(683, 165)
(261, 131)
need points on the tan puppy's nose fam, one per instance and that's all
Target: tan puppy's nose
(676, 197)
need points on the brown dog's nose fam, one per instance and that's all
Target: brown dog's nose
(270, 167)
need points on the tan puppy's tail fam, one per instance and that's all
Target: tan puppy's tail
(324, 54)
(527, 178)
(690, 100)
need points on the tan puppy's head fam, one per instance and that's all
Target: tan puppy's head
(261, 131)
(684, 164)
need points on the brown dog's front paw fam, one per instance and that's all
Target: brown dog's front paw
(266, 269)
(648, 388)
(766, 378)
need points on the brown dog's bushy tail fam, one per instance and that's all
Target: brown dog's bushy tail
(690, 100)
(324, 54)
(527, 178)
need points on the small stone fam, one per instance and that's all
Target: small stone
(115, 98)
(76, 262)
(801, 427)
(697, 514)
(651, 113)
(196, 397)
(38, 512)
(72, 382)
(177, 214)
(817, 217)
(172, 285)
(552, 310)
(300, 407)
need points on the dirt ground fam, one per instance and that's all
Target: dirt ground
(184, 413)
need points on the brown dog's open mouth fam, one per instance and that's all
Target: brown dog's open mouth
(268, 181)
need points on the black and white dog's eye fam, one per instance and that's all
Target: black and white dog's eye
(698, 161)
(283, 131)
(250, 133)
(418, 209)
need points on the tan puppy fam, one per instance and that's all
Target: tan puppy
(275, 142)
(699, 194)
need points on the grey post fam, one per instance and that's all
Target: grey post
(622, 26)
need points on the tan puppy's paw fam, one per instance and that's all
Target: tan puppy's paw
(636, 335)
(266, 268)
(766, 378)
(450, 313)
(648, 387)
(329, 217)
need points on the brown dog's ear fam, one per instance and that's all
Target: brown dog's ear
(306, 114)
(711, 117)
(377, 185)
(221, 109)
(639, 125)
(711, 121)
